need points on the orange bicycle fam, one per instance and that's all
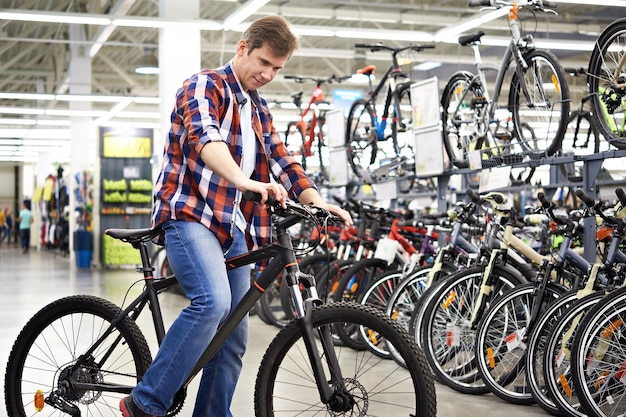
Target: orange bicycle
(300, 136)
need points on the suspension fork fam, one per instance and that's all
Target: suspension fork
(305, 323)
(485, 288)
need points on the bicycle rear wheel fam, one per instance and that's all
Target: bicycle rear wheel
(44, 359)
(361, 137)
(606, 78)
(374, 386)
(546, 109)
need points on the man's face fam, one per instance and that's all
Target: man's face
(257, 68)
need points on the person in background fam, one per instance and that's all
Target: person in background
(221, 143)
(3, 229)
(8, 225)
(25, 219)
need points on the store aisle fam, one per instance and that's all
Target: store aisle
(31, 281)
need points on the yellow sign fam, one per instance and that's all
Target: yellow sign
(126, 146)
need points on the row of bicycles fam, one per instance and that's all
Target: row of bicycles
(536, 120)
(507, 304)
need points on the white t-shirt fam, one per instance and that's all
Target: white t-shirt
(249, 149)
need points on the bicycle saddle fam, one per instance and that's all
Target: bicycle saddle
(471, 38)
(369, 70)
(134, 235)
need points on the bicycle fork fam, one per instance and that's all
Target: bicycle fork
(332, 389)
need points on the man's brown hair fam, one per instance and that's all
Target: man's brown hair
(274, 31)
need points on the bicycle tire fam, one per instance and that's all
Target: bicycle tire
(597, 357)
(51, 342)
(608, 100)
(377, 295)
(361, 137)
(351, 287)
(446, 335)
(536, 351)
(557, 369)
(500, 350)
(372, 381)
(548, 106)
(417, 315)
(463, 130)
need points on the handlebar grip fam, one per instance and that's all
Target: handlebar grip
(621, 196)
(472, 194)
(544, 201)
(256, 197)
(361, 45)
(479, 3)
(589, 202)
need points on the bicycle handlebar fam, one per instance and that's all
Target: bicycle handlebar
(319, 81)
(375, 47)
(294, 208)
(542, 5)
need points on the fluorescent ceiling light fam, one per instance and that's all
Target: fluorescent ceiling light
(241, 14)
(21, 110)
(80, 97)
(614, 3)
(427, 66)
(104, 20)
(7, 121)
(446, 34)
(159, 23)
(399, 35)
(302, 30)
(26, 96)
(54, 17)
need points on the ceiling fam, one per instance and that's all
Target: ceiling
(35, 55)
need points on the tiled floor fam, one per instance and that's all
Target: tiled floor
(31, 281)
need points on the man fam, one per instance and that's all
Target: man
(221, 143)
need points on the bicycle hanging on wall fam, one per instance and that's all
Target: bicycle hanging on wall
(533, 122)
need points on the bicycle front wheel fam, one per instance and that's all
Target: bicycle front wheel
(598, 357)
(373, 386)
(539, 102)
(501, 341)
(606, 78)
(462, 115)
(48, 359)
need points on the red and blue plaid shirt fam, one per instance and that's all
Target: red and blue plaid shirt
(207, 109)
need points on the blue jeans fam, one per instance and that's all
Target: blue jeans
(195, 255)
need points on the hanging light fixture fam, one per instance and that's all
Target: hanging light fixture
(148, 63)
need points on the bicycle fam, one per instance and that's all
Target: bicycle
(79, 352)
(365, 129)
(503, 334)
(304, 133)
(606, 77)
(536, 115)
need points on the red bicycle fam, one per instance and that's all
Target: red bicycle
(300, 135)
